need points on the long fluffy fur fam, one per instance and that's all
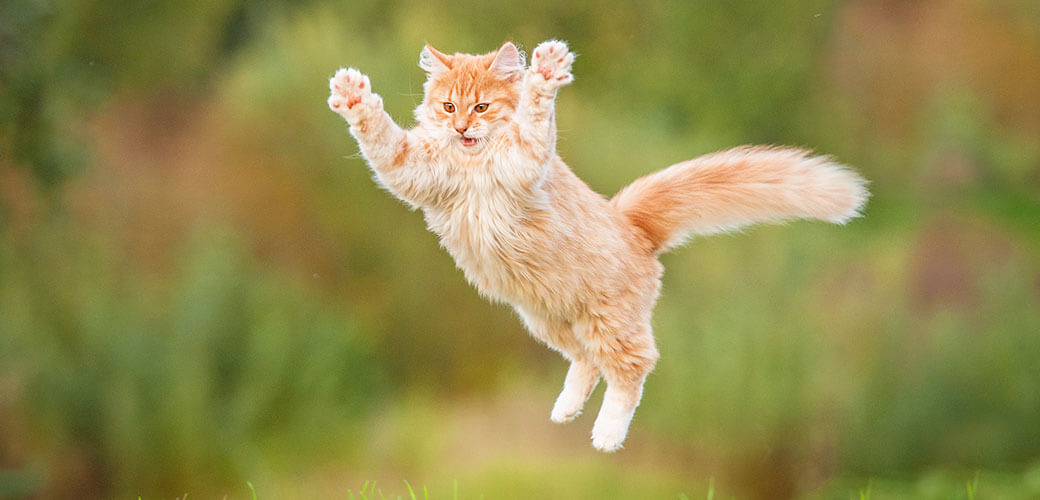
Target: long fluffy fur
(727, 190)
(581, 271)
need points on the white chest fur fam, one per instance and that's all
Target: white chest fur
(487, 230)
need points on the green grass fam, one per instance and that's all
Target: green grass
(369, 491)
(929, 487)
(1023, 484)
(934, 486)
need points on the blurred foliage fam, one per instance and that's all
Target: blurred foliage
(199, 283)
(154, 387)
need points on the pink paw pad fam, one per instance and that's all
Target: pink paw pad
(348, 88)
(553, 61)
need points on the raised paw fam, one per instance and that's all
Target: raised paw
(552, 62)
(347, 90)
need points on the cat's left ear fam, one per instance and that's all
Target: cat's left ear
(509, 62)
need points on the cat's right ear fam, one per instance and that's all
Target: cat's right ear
(433, 61)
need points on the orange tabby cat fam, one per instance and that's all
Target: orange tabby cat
(581, 270)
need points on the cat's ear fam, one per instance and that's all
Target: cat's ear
(433, 61)
(509, 62)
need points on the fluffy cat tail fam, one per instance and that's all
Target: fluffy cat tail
(727, 190)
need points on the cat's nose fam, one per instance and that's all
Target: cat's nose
(462, 129)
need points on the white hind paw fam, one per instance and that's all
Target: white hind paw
(613, 420)
(566, 409)
(610, 429)
(608, 438)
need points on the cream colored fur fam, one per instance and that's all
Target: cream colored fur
(581, 270)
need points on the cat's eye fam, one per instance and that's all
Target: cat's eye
(449, 107)
(480, 108)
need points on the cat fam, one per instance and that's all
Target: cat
(580, 270)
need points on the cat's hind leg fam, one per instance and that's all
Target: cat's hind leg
(615, 415)
(582, 375)
(581, 379)
(625, 358)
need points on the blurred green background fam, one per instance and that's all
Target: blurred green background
(200, 285)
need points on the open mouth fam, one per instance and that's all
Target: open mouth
(469, 141)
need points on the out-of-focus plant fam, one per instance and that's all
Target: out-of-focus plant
(175, 387)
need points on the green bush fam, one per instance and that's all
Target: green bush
(179, 385)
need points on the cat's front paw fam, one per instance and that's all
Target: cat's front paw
(350, 95)
(551, 64)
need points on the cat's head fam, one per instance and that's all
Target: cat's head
(469, 99)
